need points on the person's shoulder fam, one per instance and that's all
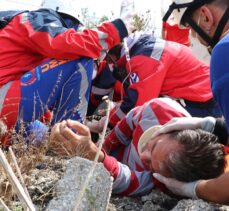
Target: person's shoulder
(221, 50)
(222, 45)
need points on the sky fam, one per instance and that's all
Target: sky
(98, 8)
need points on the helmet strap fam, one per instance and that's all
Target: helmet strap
(172, 7)
(199, 31)
(211, 41)
(221, 26)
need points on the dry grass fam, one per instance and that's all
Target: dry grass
(29, 154)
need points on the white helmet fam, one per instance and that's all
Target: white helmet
(68, 7)
(179, 7)
(182, 11)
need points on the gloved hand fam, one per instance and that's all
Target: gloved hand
(177, 187)
(96, 126)
(182, 123)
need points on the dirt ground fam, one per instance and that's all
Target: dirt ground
(44, 173)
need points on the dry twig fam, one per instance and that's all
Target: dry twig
(19, 172)
(5, 208)
(15, 183)
(101, 141)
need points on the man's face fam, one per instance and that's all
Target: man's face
(156, 151)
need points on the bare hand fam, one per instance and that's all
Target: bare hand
(72, 138)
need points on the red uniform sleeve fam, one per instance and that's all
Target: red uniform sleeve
(44, 34)
(127, 182)
(123, 131)
(146, 79)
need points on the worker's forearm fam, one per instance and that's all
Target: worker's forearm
(214, 190)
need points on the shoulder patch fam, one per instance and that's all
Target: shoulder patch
(134, 78)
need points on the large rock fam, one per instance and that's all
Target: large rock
(98, 191)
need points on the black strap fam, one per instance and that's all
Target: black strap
(221, 27)
(200, 31)
(172, 7)
(190, 6)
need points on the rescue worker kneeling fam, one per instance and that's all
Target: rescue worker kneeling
(155, 68)
(46, 64)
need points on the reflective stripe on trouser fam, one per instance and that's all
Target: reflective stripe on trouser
(60, 86)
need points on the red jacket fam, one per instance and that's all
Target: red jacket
(30, 37)
(158, 68)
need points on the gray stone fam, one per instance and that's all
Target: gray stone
(196, 205)
(97, 193)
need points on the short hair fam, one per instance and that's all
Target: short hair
(199, 157)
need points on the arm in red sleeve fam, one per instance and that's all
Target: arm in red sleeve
(121, 135)
(44, 33)
(127, 182)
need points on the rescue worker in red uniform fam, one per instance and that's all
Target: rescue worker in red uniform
(47, 64)
(162, 68)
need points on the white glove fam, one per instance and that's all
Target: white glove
(96, 126)
(182, 123)
(177, 187)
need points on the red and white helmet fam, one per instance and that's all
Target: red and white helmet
(69, 7)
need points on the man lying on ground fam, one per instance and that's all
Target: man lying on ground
(186, 155)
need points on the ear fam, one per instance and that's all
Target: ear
(206, 18)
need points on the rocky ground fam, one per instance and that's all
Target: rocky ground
(42, 179)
